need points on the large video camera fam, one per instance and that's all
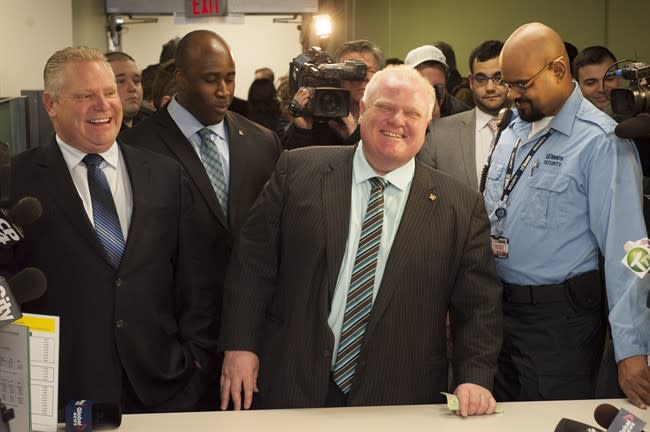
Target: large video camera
(632, 104)
(636, 98)
(316, 70)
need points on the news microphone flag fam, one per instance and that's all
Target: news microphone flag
(79, 416)
(625, 421)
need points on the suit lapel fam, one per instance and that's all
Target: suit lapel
(336, 192)
(140, 179)
(57, 179)
(180, 146)
(420, 206)
(238, 172)
(468, 145)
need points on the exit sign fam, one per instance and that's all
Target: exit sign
(204, 8)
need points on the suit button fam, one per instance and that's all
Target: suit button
(119, 324)
(118, 282)
(327, 354)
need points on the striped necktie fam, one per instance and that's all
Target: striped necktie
(492, 125)
(362, 282)
(213, 167)
(107, 224)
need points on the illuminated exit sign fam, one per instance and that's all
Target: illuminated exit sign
(204, 8)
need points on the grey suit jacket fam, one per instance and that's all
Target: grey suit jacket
(285, 267)
(450, 146)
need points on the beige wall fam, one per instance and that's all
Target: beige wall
(400, 25)
(30, 31)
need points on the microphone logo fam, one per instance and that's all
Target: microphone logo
(7, 233)
(637, 257)
(9, 311)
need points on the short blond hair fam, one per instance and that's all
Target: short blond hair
(53, 71)
(407, 73)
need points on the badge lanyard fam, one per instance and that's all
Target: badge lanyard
(511, 179)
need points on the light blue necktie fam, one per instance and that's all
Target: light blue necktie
(362, 282)
(214, 168)
(107, 224)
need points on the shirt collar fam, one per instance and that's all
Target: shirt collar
(482, 119)
(188, 124)
(73, 156)
(362, 171)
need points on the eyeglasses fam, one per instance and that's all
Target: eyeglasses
(522, 86)
(481, 80)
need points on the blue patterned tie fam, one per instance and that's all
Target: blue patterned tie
(214, 168)
(107, 224)
(362, 282)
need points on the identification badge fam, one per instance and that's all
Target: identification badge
(500, 246)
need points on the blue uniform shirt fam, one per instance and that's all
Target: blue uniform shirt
(581, 191)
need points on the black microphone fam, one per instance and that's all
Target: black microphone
(635, 127)
(503, 120)
(26, 285)
(568, 425)
(605, 414)
(84, 415)
(26, 211)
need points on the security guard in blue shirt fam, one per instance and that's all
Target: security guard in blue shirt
(561, 188)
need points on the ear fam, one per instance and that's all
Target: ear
(362, 108)
(560, 69)
(470, 81)
(48, 102)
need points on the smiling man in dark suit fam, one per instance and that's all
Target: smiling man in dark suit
(227, 157)
(344, 271)
(115, 243)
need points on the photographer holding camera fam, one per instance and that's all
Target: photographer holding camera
(311, 123)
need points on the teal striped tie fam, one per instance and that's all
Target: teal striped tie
(362, 282)
(213, 167)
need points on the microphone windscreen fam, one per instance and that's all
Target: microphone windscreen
(635, 127)
(28, 284)
(604, 414)
(26, 211)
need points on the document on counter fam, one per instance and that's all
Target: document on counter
(44, 369)
(14, 374)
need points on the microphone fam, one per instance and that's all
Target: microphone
(26, 211)
(634, 127)
(616, 420)
(83, 415)
(503, 120)
(28, 284)
(568, 425)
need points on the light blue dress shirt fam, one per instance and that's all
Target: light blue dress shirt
(395, 195)
(190, 127)
(581, 191)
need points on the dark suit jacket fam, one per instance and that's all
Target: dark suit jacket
(450, 146)
(254, 151)
(151, 318)
(285, 268)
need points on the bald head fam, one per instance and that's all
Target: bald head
(534, 61)
(195, 43)
(205, 76)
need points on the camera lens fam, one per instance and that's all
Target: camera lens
(331, 102)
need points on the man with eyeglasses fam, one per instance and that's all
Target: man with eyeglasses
(458, 145)
(560, 189)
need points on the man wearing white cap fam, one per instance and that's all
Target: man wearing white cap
(432, 64)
